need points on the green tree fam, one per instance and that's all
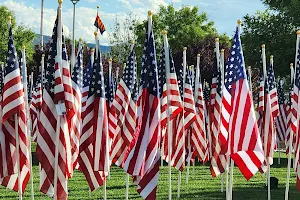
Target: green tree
(276, 31)
(22, 35)
(186, 27)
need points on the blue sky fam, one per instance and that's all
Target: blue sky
(223, 12)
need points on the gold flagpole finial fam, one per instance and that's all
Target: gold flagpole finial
(222, 50)
(80, 40)
(96, 33)
(198, 55)
(9, 19)
(239, 22)
(263, 46)
(217, 40)
(92, 50)
(23, 47)
(149, 13)
(271, 57)
(60, 1)
(132, 42)
(184, 48)
(164, 32)
(110, 60)
(291, 65)
(298, 32)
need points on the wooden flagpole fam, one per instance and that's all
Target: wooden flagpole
(169, 127)
(290, 144)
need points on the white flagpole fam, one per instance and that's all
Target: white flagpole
(222, 62)
(127, 186)
(219, 64)
(265, 143)
(169, 127)
(229, 192)
(189, 159)
(197, 77)
(290, 145)
(18, 157)
(24, 78)
(60, 107)
(109, 81)
(184, 72)
(250, 79)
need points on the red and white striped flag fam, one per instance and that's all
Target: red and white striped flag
(281, 119)
(296, 116)
(124, 106)
(142, 158)
(35, 106)
(94, 150)
(198, 137)
(57, 103)
(174, 102)
(75, 115)
(218, 159)
(12, 103)
(238, 116)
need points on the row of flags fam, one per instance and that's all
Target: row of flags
(82, 120)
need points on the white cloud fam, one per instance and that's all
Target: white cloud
(84, 23)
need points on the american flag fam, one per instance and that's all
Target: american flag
(189, 116)
(291, 119)
(125, 107)
(87, 73)
(173, 100)
(13, 105)
(261, 94)
(281, 120)
(273, 91)
(206, 96)
(142, 158)
(244, 143)
(295, 116)
(35, 106)
(218, 159)
(198, 137)
(267, 125)
(77, 81)
(188, 100)
(110, 94)
(57, 100)
(93, 151)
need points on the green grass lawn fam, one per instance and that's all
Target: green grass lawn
(201, 185)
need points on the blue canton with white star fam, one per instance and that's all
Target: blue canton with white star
(49, 71)
(235, 69)
(149, 74)
(77, 74)
(206, 92)
(162, 69)
(271, 78)
(217, 73)
(87, 73)
(97, 79)
(11, 58)
(130, 75)
(109, 88)
(281, 97)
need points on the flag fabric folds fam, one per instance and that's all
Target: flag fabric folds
(143, 155)
(12, 103)
(240, 128)
(218, 159)
(94, 150)
(57, 103)
(99, 24)
(125, 108)
(281, 119)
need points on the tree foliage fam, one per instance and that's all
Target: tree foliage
(275, 31)
(22, 35)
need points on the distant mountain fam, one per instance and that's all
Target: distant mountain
(46, 38)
